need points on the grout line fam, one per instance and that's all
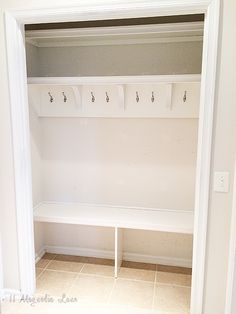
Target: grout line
(138, 280)
(112, 289)
(172, 285)
(62, 271)
(154, 289)
(72, 283)
(82, 268)
(96, 275)
(53, 259)
(155, 282)
(37, 277)
(50, 261)
(76, 277)
(46, 267)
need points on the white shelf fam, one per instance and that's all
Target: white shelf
(110, 80)
(177, 221)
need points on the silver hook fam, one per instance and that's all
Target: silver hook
(107, 98)
(93, 97)
(152, 98)
(50, 97)
(137, 97)
(64, 97)
(185, 96)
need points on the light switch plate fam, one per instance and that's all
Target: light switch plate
(221, 182)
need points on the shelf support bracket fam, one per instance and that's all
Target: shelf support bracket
(78, 96)
(121, 96)
(169, 92)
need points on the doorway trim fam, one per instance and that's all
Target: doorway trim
(230, 303)
(14, 22)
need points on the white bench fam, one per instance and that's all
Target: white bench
(177, 221)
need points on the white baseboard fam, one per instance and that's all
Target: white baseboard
(134, 257)
(39, 254)
(79, 251)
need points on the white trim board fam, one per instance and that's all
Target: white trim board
(14, 26)
(127, 256)
(1, 271)
(230, 304)
(118, 35)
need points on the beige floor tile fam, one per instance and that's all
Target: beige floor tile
(172, 299)
(50, 256)
(174, 269)
(99, 261)
(137, 274)
(45, 260)
(69, 258)
(173, 279)
(65, 266)
(132, 293)
(84, 259)
(118, 309)
(42, 263)
(95, 288)
(138, 265)
(102, 270)
(55, 283)
(38, 271)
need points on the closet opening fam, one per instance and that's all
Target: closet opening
(94, 111)
(113, 112)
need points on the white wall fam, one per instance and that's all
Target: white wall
(120, 60)
(157, 58)
(223, 158)
(130, 162)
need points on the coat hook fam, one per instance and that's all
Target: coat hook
(107, 98)
(137, 97)
(64, 97)
(93, 97)
(185, 96)
(152, 98)
(50, 97)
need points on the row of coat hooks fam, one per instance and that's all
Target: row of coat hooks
(51, 98)
(93, 99)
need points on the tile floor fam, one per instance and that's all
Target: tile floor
(72, 284)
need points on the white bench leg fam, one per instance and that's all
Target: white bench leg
(118, 249)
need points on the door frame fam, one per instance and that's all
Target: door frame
(14, 25)
(230, 303)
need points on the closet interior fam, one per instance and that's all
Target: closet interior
(113, 114)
